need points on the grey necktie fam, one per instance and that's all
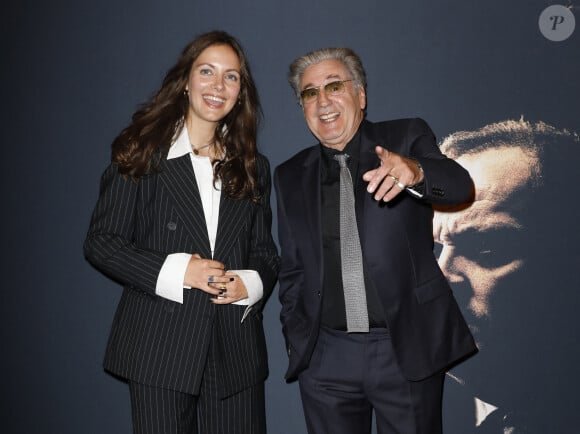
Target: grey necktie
(355, 299)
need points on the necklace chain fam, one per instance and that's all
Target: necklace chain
(196, 150)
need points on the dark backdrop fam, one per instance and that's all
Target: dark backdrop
(74, 71)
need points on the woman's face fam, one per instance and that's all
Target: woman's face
(213, 85)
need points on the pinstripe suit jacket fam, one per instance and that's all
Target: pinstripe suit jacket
(158, 342)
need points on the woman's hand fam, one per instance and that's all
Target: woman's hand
(204, 274)
(230, 291)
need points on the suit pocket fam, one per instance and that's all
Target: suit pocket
(432, 289)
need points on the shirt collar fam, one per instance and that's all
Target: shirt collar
(180, 145)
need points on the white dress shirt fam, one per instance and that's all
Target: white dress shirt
(170, 282)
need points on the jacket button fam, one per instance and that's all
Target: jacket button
(318, 293)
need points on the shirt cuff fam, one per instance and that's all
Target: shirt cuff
(417, 190)
(253, 284)
(170, 279)
(254, 287)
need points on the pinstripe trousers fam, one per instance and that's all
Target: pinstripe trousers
(163, 411)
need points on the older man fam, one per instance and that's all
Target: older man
(369, 319)
(512, 260)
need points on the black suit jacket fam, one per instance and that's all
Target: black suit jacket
(427, 328)
(158, 342)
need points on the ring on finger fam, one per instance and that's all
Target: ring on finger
(400, 184)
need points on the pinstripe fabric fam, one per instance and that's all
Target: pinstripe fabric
(162, 411)
(155, 341)
(241, 413)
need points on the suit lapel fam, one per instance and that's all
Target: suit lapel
(368, 160)
(230, 224)
(310, 183)
(177, 175)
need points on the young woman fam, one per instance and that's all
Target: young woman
(183, 222)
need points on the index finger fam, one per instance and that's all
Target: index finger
(367, 176)
(376, 177)
(211, 263)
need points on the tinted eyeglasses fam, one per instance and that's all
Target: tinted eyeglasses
(333, 88)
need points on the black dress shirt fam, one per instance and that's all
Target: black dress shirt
(333, 308)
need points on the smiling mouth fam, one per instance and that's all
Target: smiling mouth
(329, 117)
(213, 100)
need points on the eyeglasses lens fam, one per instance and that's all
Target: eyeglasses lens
(311, 94)
(334, 88)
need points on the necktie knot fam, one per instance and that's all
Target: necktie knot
(342, 159)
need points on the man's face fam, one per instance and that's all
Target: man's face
(334, 120)
(468, 237)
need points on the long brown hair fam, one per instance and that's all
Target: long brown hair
(139, 147)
